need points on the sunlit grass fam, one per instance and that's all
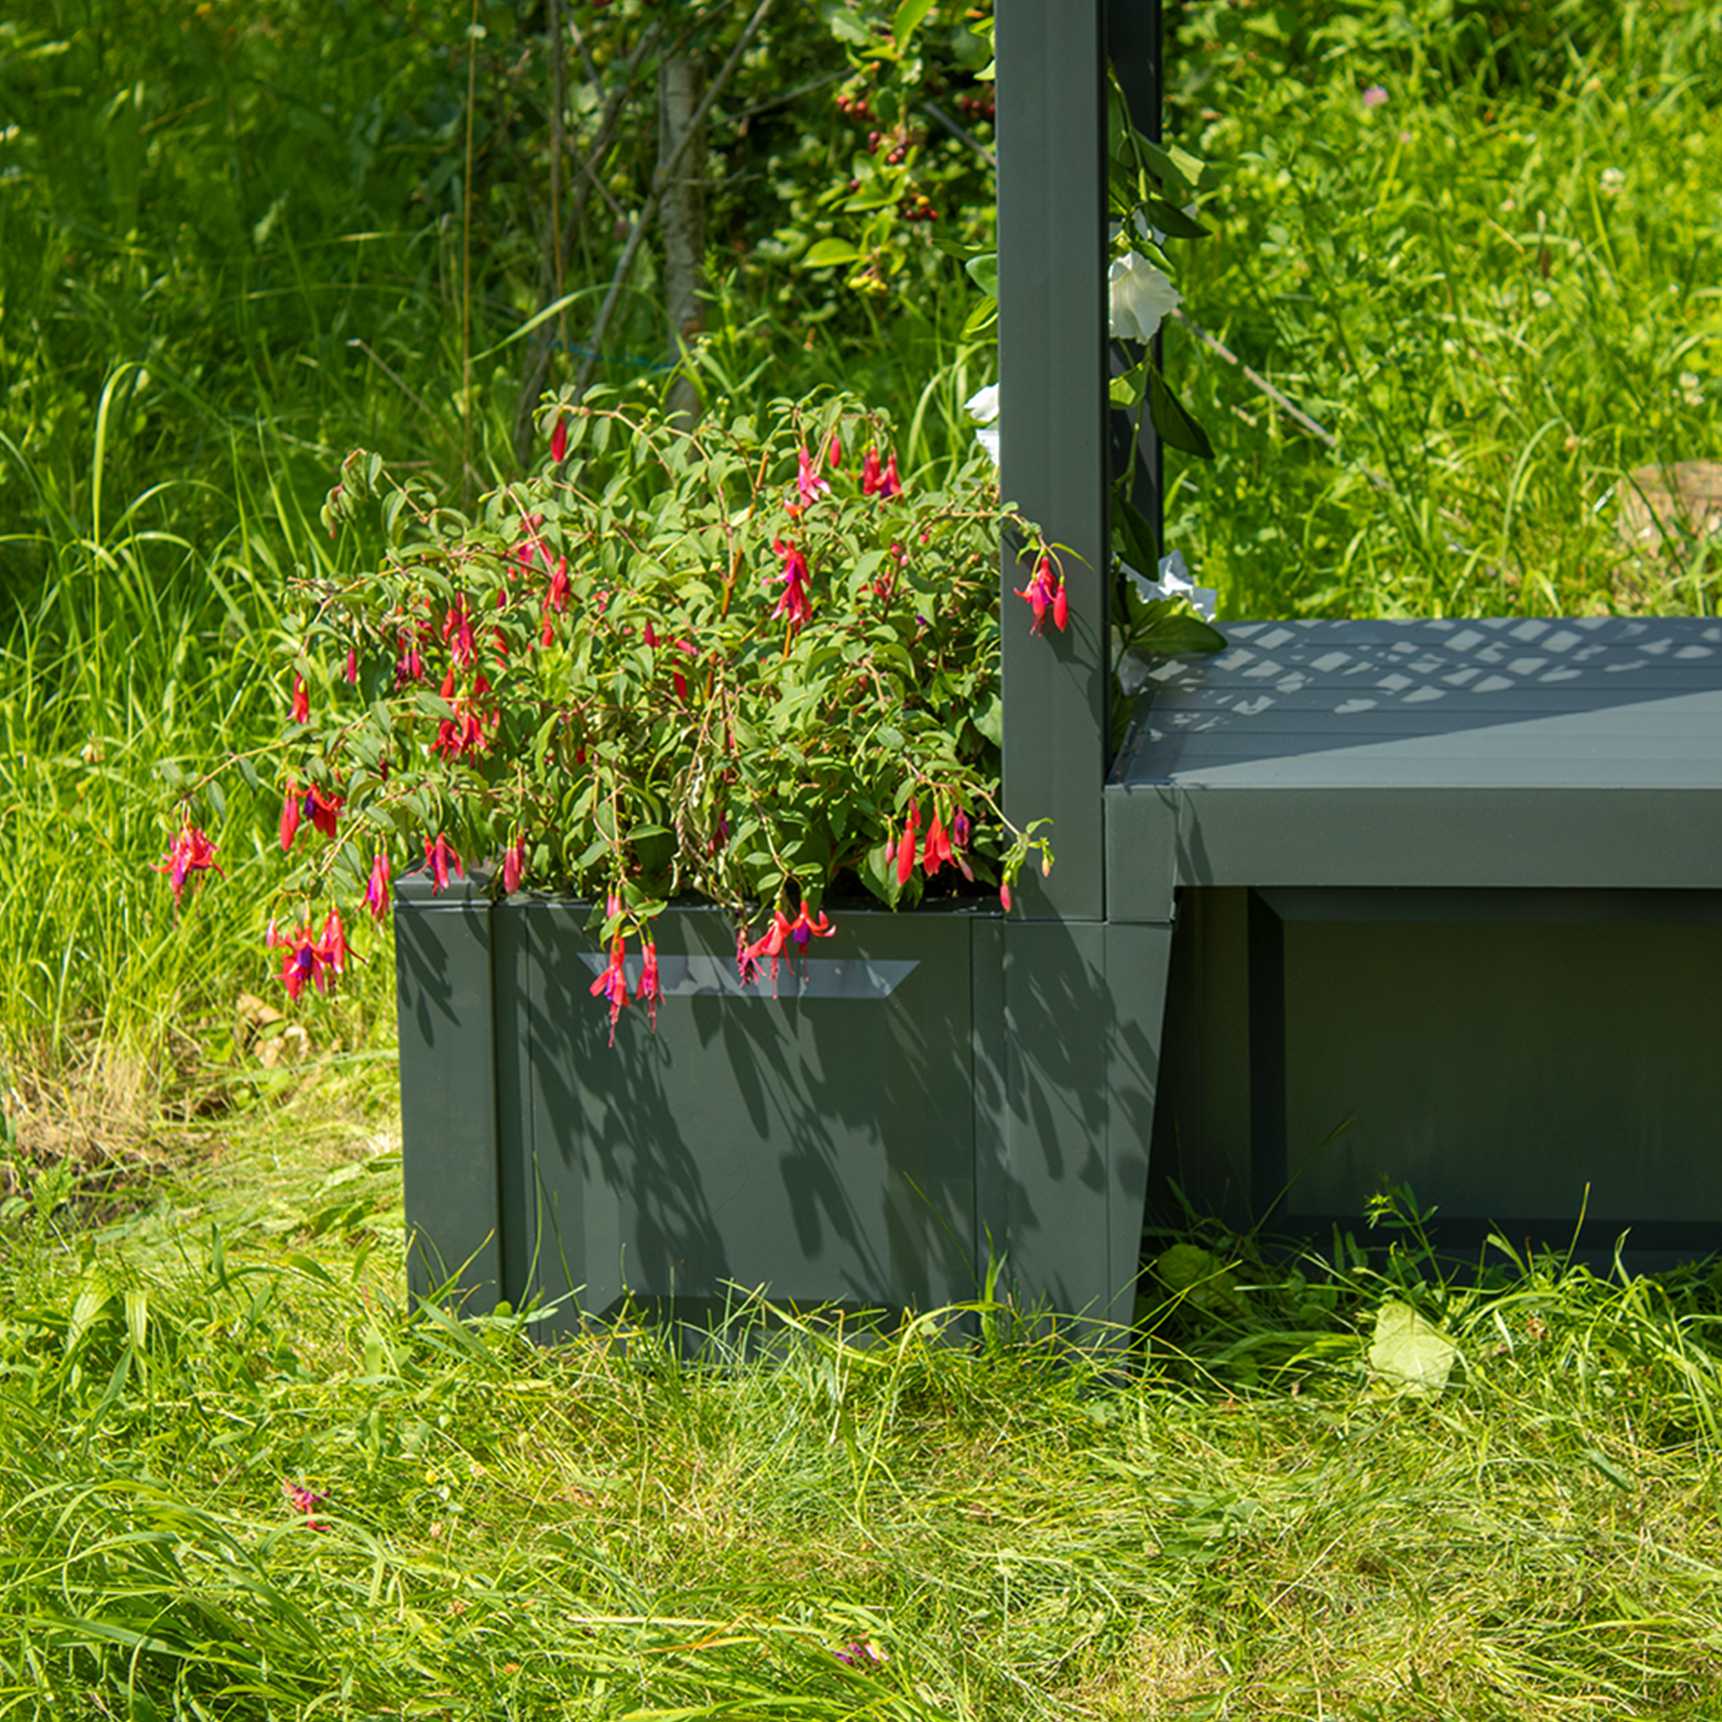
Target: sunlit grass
(1238, 1521)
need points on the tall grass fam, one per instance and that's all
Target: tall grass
(1496, 290)
(230, 245)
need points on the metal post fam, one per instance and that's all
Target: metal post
(1053, 429)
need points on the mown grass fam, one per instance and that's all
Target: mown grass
(1238, 1522)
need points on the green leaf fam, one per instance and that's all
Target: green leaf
(1410, 1353)
(908, 19)
(829, 254)
(1172, 421)
(1141, 549)
(982, 318)
(984, 272)
(1178, 634)
(1173, 222)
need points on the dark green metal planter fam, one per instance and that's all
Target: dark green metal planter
(924, 1095)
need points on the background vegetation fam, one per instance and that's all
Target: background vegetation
(236, 241)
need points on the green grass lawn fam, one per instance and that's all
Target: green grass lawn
(1243, 1520)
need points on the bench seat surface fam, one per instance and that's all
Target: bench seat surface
(1506, 752)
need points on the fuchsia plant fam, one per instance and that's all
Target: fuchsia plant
(710, 664)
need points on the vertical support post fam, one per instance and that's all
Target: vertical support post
(1133, 45)
(1052, 423)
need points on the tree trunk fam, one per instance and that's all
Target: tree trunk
(682, 214)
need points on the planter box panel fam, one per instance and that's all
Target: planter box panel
(820, 1143)
(1498, 1051)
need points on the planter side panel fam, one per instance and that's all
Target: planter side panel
(819, 1144)
(445, 1002)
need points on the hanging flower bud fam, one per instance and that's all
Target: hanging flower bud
(301, 701)
(377, 889)
(559, 440)
(290, 811)
(513, 865)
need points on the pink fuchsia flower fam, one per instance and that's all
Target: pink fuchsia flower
(332, 942)
(559, 441)
(301, 701)
(306, 1501)
(805, 928)
(352, 667)
(377, 889)
(794, 603)
(322, 810)
(872, 474)
(807, 480)
(556, 596)
(961, 829)
(651, 986)
(1044, 595)
(861, 1653)
(439, 857)
(906, 844)
(457, 633)
(1375, 96)
(936, 850)
(770, 945)
(1004, 896)
(190, 852)
(291, 808)
(513, 866)
(305, 961)
(612, 985)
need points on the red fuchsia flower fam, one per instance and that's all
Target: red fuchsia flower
(805, 928)
(190, 852)
(559, 441)
(410, 667)
(936, 851)
(457, 633)
(513, 865)
(834, 452)
(651, 987)
(439, 857)
(291, 807)
(1044, 595)
(650, 635)
(301, 701)
(613, 984)
(377, 889)
(332, 942)
(860, 1653)
(1004, 896)
(872, 474)
(889, 483)
(305, 961)
(352, 667)
(907, 842)
(807, 479)
(556, 597)
(306, 1501)
(322, 810)
(794, 602)
(770, 946)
